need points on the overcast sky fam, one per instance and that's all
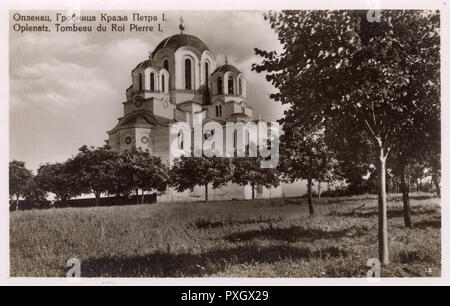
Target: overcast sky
(67, 89)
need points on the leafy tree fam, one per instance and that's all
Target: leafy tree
(188, 172)
(337, 66)
(35, 193)
(353, 155)
(57, 179)
(136, 169)
(20, 179)
(417, 141)
(248, 171)
(94, 170)
(435, 171)
(304, 156)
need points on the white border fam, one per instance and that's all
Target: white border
(209, 5)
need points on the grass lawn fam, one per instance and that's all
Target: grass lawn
(262, 238)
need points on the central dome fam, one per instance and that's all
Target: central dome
(181, 40)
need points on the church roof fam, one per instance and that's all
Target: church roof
(142, 118)
(145, 64)
(181, 40)
(226, 68)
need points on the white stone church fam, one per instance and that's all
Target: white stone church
(182, 82)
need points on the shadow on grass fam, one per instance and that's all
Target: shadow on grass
(208, 224)
(398, 213)
(428, 224)
(296, 233)
(189, 265)
(390, 197)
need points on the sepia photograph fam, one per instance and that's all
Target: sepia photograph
(225, 144)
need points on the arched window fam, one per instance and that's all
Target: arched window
(152, 81)
(230, 86)
(181, 140)
(240, 87)
(218, 111)
(163, 83)
(140, 82)
(219, 86)
(207, 75)
(188, 74)
(166, 65)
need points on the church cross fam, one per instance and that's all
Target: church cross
(181, 25)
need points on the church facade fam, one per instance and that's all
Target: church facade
(182, 82)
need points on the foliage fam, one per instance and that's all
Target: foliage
(58, 179)
(20, 179)
(138, 169)
(305, 156)
(338, 67)
(189, 172)
(93, 169)
(248, 171)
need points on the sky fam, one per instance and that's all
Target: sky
(67, 89)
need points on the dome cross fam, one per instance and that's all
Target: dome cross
(182, 28)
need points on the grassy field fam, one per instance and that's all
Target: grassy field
(263, 238)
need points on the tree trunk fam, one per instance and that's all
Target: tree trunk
(382, 209)
(142, 197)
(310, 203)
(253, 192)
(318, 190)
(406, 204)
(206, 192)
(64, 200)
(436, 182)
(97, 199)
(17, 203)
(137, 196)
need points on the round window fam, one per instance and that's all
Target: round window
(138, 103)
(165, 103)
(128, 140)
(144, 139)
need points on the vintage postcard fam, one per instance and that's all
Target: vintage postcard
(158, 144)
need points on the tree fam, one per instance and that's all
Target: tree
(136, 169)
(94, 170)
(35, 193)
(304, 156)
(188, 172)
(20, 179)
(247, 171)
(417, 141)
(435, 171)
(58, 179)
(338, 66)
(353, 159)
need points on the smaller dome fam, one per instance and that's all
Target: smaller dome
(227, 68)
(145, 64)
